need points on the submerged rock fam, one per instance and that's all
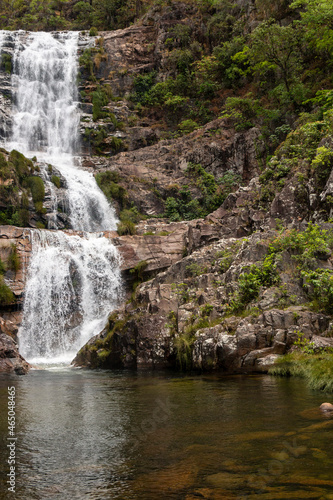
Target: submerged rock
(326, 407)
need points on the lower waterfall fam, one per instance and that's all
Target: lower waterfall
(73, 281)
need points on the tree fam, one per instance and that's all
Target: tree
(317, 17)
(277, 48)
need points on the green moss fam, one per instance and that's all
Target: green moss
(108, 183)
(56, 181)
(22, 165)
(102, 355)
(37, 189)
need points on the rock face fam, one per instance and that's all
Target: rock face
(182, 315)
(10, 359)
(153, 173)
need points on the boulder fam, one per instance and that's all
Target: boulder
(10, 359)
(326, 407)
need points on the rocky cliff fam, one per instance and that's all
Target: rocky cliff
(226, 251)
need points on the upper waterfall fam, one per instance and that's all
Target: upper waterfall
(44, 80)
(46, 119)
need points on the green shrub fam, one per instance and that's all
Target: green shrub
(250, 282)
(319, 284)
(37, 189)
(206, 310)
(116, 144)
(244, 111)
(307, 246)
(13, 261)
(86, 61)
(139, 269)
(108, 183)
(141, 86)
(95, 138)
(183, 344)
(6, 60)
(303, 142)
(187, 126)
(2, 267)
(184, 207)
(99, 100)
(195, 269)
(322, 165)
(6, 295)
(93, 31)
(126, 227)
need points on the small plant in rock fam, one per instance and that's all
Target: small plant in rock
(195, 269)
(181, 290)
(206, 310)
(6, 295)
(13, 261)
(319, 285)
(304, 344)
(183, 344)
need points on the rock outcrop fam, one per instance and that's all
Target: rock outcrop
(184, 315)
(153, 173)
(10, 359)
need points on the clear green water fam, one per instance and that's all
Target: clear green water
(124, 436)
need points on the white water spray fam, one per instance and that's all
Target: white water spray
(73, 282)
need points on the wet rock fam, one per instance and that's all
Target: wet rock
(326, 407)
(10, 359)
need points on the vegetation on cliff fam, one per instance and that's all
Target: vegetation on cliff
(18, 182)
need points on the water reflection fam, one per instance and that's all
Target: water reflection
(137, 436)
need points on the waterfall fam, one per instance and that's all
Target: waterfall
(46, 120)
(73, 282)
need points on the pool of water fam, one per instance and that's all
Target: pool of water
(131, 436)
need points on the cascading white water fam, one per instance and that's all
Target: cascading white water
(73, 282)
(46, 120)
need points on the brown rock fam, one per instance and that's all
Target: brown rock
(326, 407)
(10, 359)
